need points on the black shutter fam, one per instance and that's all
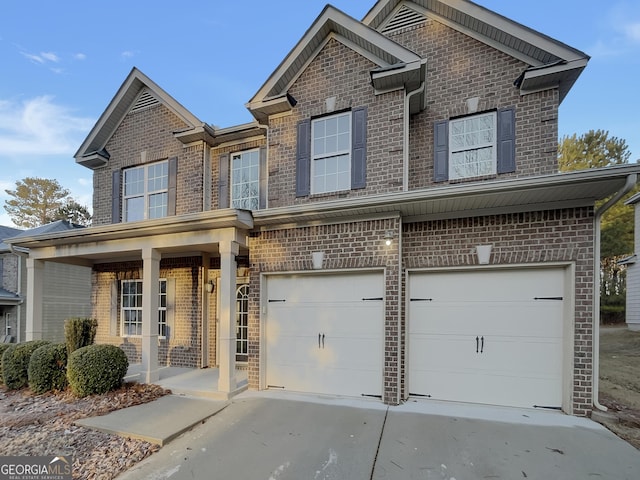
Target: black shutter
(264, 176)
(114, 326)
(441, 151)
(303, 159)
(116, 197)
(173, 183)
(506, 139)
(359, 148)
(223, 181)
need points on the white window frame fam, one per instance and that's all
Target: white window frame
(467, 142)
(341, 155)
(242, 322)
(238, 200)
(162, 309)
(147, 193)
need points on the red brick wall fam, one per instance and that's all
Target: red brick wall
(151, 131)
(347, 246)
(459, 68)
(338, 72)
(183, 348)
(536, 237)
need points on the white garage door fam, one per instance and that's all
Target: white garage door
(492, 337)
(324, 333)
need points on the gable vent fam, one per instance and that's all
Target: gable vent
(145, 100)
(405, 17)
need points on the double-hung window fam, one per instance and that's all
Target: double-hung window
(331, 153)
(245, 180)
(475, 146)
(472, 146)
(131, 307)
(145, 193)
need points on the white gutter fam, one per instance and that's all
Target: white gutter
(400, 319)
(405, 149)
(631, 182)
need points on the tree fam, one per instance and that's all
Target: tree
(74, 213)
(595, 149)
(35, 201)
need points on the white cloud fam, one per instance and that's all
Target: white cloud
(50, 56)
(42, 58)
(39, 126)
(620, 31)
(80, 56)
(632, 30)
(127, 54)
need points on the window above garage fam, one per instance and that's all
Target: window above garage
(475, 146)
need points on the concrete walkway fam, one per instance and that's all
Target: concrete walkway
(272, 435)
(156, 422)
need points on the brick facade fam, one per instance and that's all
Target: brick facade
(458, 68)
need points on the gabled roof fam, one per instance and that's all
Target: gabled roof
(138, 91)
(396, 65)
(9, 298)
(7, 232)
(553, 63)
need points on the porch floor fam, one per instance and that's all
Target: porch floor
(196, 382)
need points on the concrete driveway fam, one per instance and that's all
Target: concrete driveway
(287, 437)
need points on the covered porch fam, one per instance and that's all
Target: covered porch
(219, 235)
(195, 382)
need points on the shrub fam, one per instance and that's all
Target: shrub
(3, 347)
(15, 363)
(79, 332)
(48, 368)
(96, 369)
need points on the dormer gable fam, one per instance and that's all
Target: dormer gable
(137, 93)
(396, 66)
(552, 63)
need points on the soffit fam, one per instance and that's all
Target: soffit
(563, 190)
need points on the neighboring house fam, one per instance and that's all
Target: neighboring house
(633, 272)
(66, 287)
(12, 268)
(392, 224)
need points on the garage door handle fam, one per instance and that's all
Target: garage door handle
(321, 340)
(477, 344)
(482, 345)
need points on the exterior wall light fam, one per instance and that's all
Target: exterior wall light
(484, 254)
(388, 237)
(210, 286)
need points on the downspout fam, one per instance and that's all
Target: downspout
(630, 183)
(401, 342)
(405, 148)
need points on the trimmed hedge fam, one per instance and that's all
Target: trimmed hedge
(79, 332)
(3, 348)
(96, 369)
(15, 363)
(48, 368)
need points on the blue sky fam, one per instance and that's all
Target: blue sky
(62, 63)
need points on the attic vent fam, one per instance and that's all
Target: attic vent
(405, 17)
(145, 100)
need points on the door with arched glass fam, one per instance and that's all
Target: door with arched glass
(242, 323)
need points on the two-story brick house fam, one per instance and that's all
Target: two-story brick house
(392, 224)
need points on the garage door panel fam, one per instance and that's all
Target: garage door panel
(520, 338)
(324, 333)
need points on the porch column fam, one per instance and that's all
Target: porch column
(35, 286)
(227, 286)
(150, 279)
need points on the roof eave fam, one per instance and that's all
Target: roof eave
(546, 192)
